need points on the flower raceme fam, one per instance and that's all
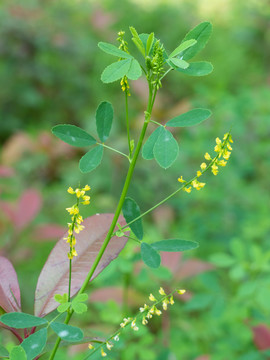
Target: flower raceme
(146, 312)
(223, 150)
(76, 218)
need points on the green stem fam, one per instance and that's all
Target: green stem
(127, 122)
(110, 148)
(155, 122)
(69, 278)
(117, 212)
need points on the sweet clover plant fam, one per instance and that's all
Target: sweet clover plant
(92, 243)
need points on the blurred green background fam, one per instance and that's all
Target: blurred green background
(50, 69)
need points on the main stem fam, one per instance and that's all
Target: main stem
(118, 209)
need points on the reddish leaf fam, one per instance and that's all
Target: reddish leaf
(55, 273)
(261, 336)
(6, 171)
(10, 297)
(28, 207)
(171, 260)
(48, 231)
(203, 357)
(193, 267)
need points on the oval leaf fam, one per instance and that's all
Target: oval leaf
(190, 118)
(178, 63)
(54, 277)
(201, 33)
(134, 71)
(35, 343)
(79, 308)
(17, 353)
(131, 211)
(113, 50)
(183, 46)
(20, 320)
(148, 148)
(3, 351)
(115, 71)
(199, 68)
(174, 245)
(73, 135)
(29, 206)
(67, 332)
(104, 118)
(91, 159)
(150, 256)
(166, 149)
(10, 297)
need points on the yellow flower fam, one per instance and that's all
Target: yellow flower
(181, 180)
(116, 337)
(221, 162)
(199, 173)
(74, 252)
(90, 346)
(103, 352)
(70, 190)
(207, 156)
(158, 312)
(161, 291)
(86, 188)
(152, 298)
(171, 300)
(165, 303)
(188, 190)
(203, 166)
(145, 307)
(181, 291)
(134, 326)
(218, 141)
(214, 169)
(109, 346)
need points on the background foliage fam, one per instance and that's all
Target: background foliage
(50, 69)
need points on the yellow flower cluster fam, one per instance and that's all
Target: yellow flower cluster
(223, 150)
(76, 218)
(147, 312)
(125, 85)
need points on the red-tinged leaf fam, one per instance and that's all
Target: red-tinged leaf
(8, 210)
(171, 260)
(48, 231)
(116, 293)
(6, 171)
(55, 273)
(10, 297)
(28, 207)
(203, 357)
(261, 336)
(192, 267)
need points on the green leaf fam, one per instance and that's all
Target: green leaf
(148, 148)
(91, 159)
(178, 63)
(183, 46)
(113, 50)
(80, 298)
(134, 71)
(201, 33)
(137, 41)
(149, 43)
(150, 256)
(35, 343)
(63, 307)
(67, 332)
(131, 211)
(115, 71)
(190, 118)
(3, 351)
(62, 299)
(199, 68)
(20, 320)
(104, 118)
(73, 135)
(174, 245)
(166, 149)
(79, 308)
(222, 260)
(17, 353)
